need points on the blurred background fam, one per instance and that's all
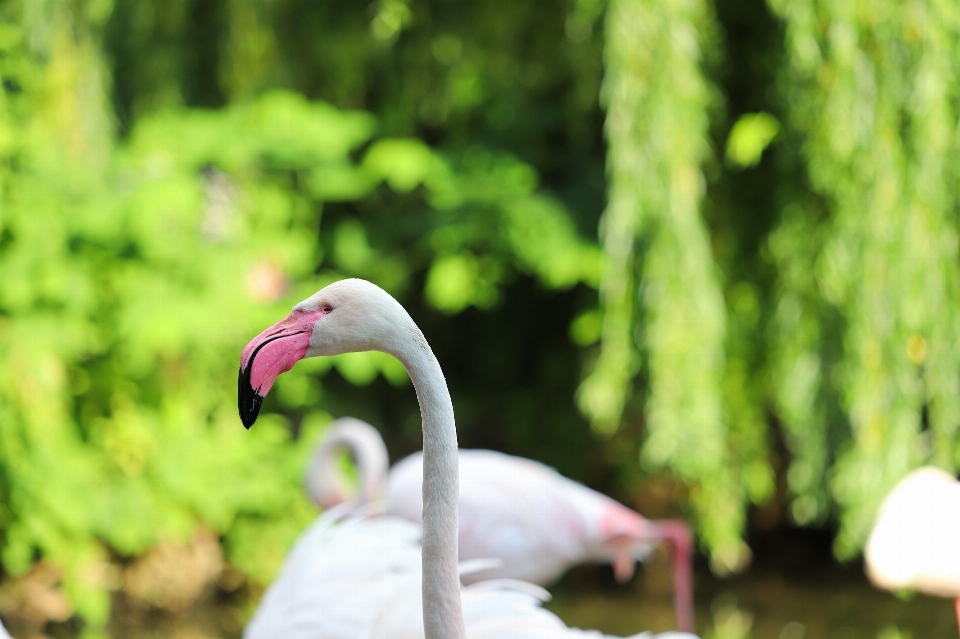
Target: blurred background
(701, 256)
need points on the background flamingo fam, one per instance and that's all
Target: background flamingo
(914, 542)
(355, 579)
(537, 522)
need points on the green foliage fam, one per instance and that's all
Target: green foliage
(892, 632)
(657, 130)
(122, 308)
(861, 363)
(751, 134)
(873, 89)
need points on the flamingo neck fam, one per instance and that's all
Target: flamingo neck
(326, 485)
(442, 611)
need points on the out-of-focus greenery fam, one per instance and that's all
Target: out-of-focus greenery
(657, 126)
(771, 299)
(868, 302)
(840, 314)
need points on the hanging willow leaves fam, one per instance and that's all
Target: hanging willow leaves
(660, 271)
(870, 296)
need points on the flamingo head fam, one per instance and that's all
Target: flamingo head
(345, 317)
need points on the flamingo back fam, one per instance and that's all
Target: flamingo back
(914, 541)
(535, 520)
(340, 578)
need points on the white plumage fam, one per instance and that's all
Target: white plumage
(915, 542)
(358, 577)
(538, 522)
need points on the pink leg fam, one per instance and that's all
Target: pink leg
(678, 534)
(956, 605)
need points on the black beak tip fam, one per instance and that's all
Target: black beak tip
(248, 400)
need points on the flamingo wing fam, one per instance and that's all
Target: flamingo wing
(341, 580)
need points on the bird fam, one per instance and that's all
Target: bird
(537, 522)
(353, 579)
(913, 543)
(354, 573)
(3, 632)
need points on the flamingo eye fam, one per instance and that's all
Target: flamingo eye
(327, 310)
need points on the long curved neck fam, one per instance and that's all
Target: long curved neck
(325, 483)
(442, 612)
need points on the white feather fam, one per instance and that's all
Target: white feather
(359, 577)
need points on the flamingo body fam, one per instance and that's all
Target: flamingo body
(914, 543)
(340, 580)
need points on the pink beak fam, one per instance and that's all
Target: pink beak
(270, 353)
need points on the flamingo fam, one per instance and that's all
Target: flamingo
(534, 520)
(3, 632)
(354, 579)
(913, 543)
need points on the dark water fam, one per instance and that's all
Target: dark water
(793, 590)
(828, 603)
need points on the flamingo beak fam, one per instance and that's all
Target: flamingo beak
(266, 356)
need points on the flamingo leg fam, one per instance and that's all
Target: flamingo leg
(956, 605)
(677, 533)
